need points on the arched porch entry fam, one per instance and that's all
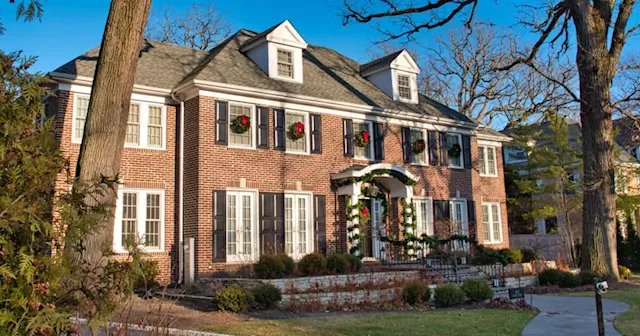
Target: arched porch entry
(371, 189)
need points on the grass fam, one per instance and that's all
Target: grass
(478, 322)
(628, 322)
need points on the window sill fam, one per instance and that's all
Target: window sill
(296, 153)
(486, 175)
(457, 167)
(419, 164)
(240, 147)
(361, 158)
(492, 242)
(76, 142)
(119, 250)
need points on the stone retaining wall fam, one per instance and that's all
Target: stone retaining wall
(355, 297)
(525, 281)
(328, 281)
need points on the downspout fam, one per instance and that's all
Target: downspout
(181, 195)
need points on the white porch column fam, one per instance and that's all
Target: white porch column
(355, 195)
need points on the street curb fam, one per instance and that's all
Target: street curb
(164, 331)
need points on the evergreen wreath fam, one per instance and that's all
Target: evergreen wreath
(362, 139)
(296, 131)
(240, 124)
(418, 146)
(454, 151)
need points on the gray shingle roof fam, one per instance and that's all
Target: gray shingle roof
(382, 61)
(627, 133)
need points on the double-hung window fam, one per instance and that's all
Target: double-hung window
(458, 217)
(133, 126)
(285, 63)
(139, 219)
(419, 158)
(424, 217)
(454, 143)
(297, 225)
(154, 128)
(241, 226)
(487, 161)
(404, 87)
(491, 223)
(80, 116)
(363, 152)
(241, 139)
(299, 145)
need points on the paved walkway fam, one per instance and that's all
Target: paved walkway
(562, 315)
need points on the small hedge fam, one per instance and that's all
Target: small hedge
(586, 277)
(416, 292)
(568, 280)
(513, 256)
(233, 299)
(549, 277)
(266, 295)
(338, 263)
(354, 263)
(269, 267)
(625, 272)
(289, 264)
(477, 290)
(312, 264)
(448, 295)
(528, 255)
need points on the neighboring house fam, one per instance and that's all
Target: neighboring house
(189, 169)
(546, 237)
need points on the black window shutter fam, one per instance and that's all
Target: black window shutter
(263, 128)
(320, 223)
(348, 137)
(271, 223)
(441, 209)
(221, 123)
(219, 241)
(378, 141)
(444, 150)
(466, 150)
(316, 134)
(433, 147)
(279, 131)
(471, 212)
(406, 144)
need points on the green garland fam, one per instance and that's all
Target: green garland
(408, 212)
(376, 172)
(361, 220)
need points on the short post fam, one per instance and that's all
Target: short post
(599, 288)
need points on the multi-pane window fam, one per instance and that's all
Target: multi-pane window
(240, 139)
(295, 145)
(454, 143)
(80, 118)
(139, 219)
(424, 217)
(133, 125)
(458, 217)
(404, 87)
(285, 63)
(155, 126)
(418, 158)
(491, 223)
(487, 161)
(363, 152)
(241, 224)
(297, 229)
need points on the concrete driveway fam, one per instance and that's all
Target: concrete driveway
(563, 315)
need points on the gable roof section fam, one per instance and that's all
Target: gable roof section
(283, 33)
(380, 62)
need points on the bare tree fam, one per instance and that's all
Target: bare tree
(601, 30)
(200, 26)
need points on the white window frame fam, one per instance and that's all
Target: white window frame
(253, 256)
(297, 255)
(484, 152)
(370, 130)
(307, 129)
(252, 119)
(406, 99)
(143, 124)
(426, 147)
(464, 226)
(430, 231)
(138, 124)
(141, 218)
(492, 239)
(459, 136)
(509, 160)
(293, 63)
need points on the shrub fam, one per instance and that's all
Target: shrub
(266, 295)
(354, 263)
(586, 277)
(486, 257)
(289, 264)
(312, 264)
(338, 263)
(513, 256)
(549, 277)
(448, 295)
(568, 280)
(269, 267)
(625, 272)
(147, 273)
(233, 299)
(416, 292)
(477, 290)
(528, 255)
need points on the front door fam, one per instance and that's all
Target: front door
(377, 227)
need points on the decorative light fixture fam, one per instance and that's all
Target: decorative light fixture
(374, 190)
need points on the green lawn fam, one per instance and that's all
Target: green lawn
(478, 322)
(627, 323)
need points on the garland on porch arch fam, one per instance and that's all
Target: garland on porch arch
(376, 172)
(363, 214)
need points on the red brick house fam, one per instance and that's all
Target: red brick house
(259, 143)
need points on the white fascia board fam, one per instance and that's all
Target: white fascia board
(136, 96)
(62, 78)
(482, 142)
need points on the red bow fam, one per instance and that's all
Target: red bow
(299, 128)
(244, 120)
(421, 144)
(365, 136)
(365, 212)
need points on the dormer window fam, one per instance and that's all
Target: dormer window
(404, 87)
(285, 63)
(395, 75)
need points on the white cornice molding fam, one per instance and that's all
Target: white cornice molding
(88, 81)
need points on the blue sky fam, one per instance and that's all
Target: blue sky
(70, 28)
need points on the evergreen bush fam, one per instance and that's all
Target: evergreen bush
(233, 299)
(586, 277)
(528, 255)
(289, 264)
(416, 292)
(568, 280)
(477, 290)
(549, 277)
(448, 295)
(266, 295)
(625, 272)
(513, 256)
(338, 263)
(269, 267)
(312, 264)
(355, 263)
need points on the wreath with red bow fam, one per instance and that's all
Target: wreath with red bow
(241, 124)
(296, 131)
(362, 139)
(455, 151)
(364, 215)
(419, 146)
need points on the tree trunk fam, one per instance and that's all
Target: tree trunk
(105, 128)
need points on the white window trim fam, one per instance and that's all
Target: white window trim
(242, 259)
(465, 215)
(461, 150)
(404, 99)
(307, 135)
(141, 217)
(432, 224)
(139, 126)
(370, 130)
(143, 123)
(492, 240)
(293, 64)
(426, 147)
(484, 151)
(252, 130)
(310, 224)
